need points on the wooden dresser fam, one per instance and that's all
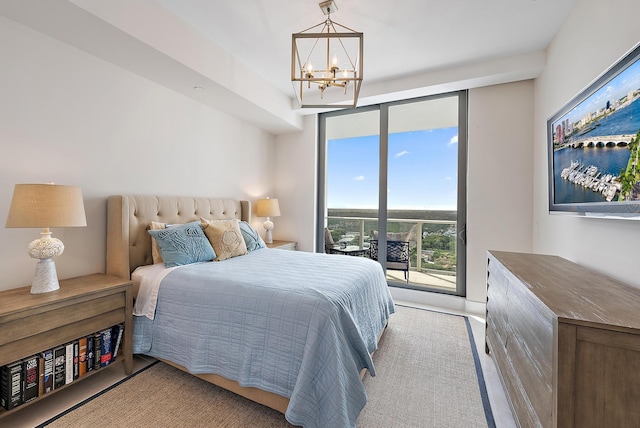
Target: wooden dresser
(565, 340)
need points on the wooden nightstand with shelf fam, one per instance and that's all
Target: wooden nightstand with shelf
(283, 245)
(33, 323)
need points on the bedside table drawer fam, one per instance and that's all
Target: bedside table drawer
(65, 315)
(283, 245)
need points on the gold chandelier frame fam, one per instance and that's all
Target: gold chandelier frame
(341, 67)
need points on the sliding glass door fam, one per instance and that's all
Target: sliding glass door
(352, 174)
(392, 187)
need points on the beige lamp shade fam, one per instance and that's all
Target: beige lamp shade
(46, 205)
(268, 208)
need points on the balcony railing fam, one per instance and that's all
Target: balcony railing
(446, 241)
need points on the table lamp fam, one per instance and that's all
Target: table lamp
(268, 208)
(44, 206)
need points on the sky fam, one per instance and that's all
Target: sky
(422, 171)
(620, 86)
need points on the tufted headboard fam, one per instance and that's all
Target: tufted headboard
(129, 217)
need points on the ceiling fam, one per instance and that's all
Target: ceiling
(401, 37)
(239, 51)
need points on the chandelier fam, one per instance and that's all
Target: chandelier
(326, 66)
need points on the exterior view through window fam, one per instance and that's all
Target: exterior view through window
(392, 188)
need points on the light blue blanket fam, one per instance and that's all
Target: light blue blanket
(297, 324)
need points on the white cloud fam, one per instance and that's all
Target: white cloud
(359, 178)
(453, 140)
(402, 153)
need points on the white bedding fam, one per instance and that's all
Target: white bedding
(147, 279)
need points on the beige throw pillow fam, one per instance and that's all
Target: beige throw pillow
(225, 237)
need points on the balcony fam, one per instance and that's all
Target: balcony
(434, 268)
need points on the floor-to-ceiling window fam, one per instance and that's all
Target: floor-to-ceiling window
(392, 187)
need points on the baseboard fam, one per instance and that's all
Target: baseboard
(475, 307)
(439, 300)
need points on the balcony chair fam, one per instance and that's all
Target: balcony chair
(329, 245)
(397, 255)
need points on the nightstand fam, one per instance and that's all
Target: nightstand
(33, 323)
(283, 245)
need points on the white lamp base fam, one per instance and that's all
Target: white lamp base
(46, 278)
(268, 225)
(43, 249)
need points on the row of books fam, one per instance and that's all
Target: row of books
(36, 375)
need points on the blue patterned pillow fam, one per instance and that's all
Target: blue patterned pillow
(251, 237)
(183, 244)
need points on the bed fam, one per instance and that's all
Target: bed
(290, 330)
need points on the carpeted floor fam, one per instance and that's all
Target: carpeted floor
(428, 375)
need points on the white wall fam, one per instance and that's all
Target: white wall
(499, 178)
(68, 117)
(594, 36)
(296, 178)
(499, 181)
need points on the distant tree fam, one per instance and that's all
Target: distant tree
(336, 234)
